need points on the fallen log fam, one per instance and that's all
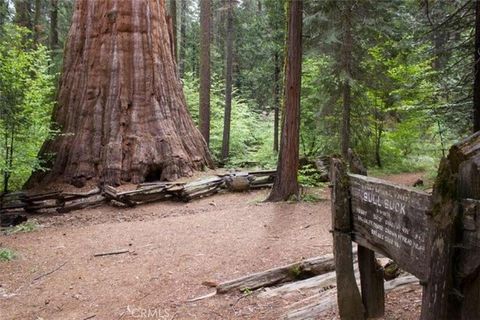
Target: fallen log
(305, 268)
(322, 281)
(328, 300)
(319, 283)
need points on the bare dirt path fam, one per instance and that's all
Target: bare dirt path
(174, 247)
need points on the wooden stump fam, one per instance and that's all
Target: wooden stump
(442, 297)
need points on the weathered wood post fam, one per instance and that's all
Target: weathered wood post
(371, 274)
(443, 297)
(469, 253)
(348, 296)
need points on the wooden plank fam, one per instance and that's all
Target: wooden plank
(327, 300)
(92, 201)
(371, 273)
(371, 283)
(42, 196)
(317, 283)
(350, 304)
(392, 220)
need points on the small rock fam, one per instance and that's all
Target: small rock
(418, 183)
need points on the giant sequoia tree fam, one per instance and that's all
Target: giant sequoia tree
(121, 109)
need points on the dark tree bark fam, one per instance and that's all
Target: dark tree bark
(3, 12)
(23, 13)
(121, 107)
(347, 69)
(205, 38)
(476, 84)
(276, 100)
(54, 25)
(173, 14)
(36, 21)
(183, 34)
(286, 183)
(228, 81)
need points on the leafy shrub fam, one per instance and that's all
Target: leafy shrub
(251, 133)
(308, 176)
(28, 226)
(6, 254)
(26, 102)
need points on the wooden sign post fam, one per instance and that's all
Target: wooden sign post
(434, 237)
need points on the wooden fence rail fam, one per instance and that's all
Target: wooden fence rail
(62, 202)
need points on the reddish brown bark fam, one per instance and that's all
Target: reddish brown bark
(205, 37)
(286, 183)
(121, 108)
(228, 82)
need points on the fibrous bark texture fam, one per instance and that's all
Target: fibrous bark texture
(121, 109)
(286, 183)
(205, 39)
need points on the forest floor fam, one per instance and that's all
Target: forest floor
(173, 249)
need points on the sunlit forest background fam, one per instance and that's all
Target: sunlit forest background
(411, 79)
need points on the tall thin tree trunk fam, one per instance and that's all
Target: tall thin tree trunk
(120, 106)
(23, 13)
(476, 83)
(205, 39)
(347, 68)
(173, 14)
(228, 82)
(3, 13)
(286, 183)
(276, 99)
(54, 43)
(183, 34)
(36, 21)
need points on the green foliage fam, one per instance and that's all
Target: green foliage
(308, 176)
(7, 254)
(251, 137)
(28, 226)
(26, 92)
(310, 197)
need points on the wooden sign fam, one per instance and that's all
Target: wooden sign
(392, 220)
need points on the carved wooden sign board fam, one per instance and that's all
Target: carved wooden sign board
(392, 220)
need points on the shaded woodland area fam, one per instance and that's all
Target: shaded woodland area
(109, 107)
(393, 80)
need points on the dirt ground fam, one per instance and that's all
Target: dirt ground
(173, 249)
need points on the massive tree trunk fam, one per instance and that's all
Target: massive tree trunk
(205, 38)
(228, 82)
(286, 183)
(121, 108)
